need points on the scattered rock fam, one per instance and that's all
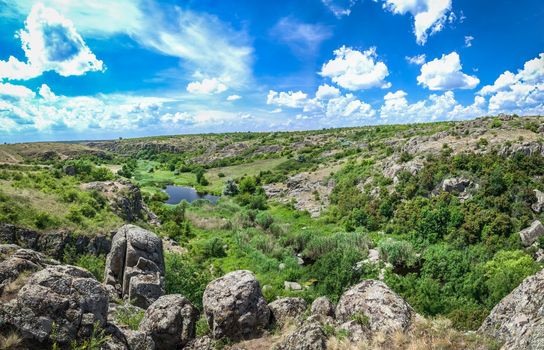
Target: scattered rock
(539, 205)
(200, 343)
(235, 307)
(530, 234)
(171, 321)
(378, 305)
(517, 319)
(356, 331)
(292, 286)
(308, 337)
(285, 309)
(322, 306)
(135, 266)
(455, 184)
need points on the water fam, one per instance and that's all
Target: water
(178, 193)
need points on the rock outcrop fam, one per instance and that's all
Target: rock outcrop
(530, 234)
(282, 310)
(124, 198)
(235, 307)
(135, 266)
(539, 204)
(53, 243)
(171, 321)
(518, 319)
(381, 308)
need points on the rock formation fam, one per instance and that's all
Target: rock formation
(282, 310)
(322, 306)
(518, 319)
(530, 234)
(235, 307)
(135, 266)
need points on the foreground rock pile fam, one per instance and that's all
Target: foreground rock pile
(48, 303)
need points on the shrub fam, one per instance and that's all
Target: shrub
(397, 253)
(129, 316)
(185, 277)
(213, 248)
(93, 264)
(44, 220)
(265, 220)
(230, 188)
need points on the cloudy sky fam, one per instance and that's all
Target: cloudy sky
(104, 69)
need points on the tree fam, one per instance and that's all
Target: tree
(230, 189)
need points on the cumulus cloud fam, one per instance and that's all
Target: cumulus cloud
(429, 15)
(339, 8)
(348, 106)
(15, 91)
(288, 99)
(325, 92)
(206, 87)
(356, 70)
(445, 74)
(418, 59)
(202, 41)
(234, 97)
(50, 43)
(396, 108)
(521, 93)
(302, 38)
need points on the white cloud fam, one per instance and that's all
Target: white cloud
(206, 87)
(348, 106)
(429, 15)
(418, 59)
(521, 93)
(397, 109)
(201, 41)
(325, 92)
(46, 93)
(50, 43)
(445, 74)
(15, 91)
(468, 40)
(302, 38)
(356, 70)
(234, 97)
(288, 99)
(339, 8)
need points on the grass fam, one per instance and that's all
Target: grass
(10, 341)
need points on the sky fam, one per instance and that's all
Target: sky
(102, 69)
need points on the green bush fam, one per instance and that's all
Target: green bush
(397, 253)
(185, 277)
(265, 220)
(94, 264)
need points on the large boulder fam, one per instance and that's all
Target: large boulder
(517, 319)
(308, 337)
(171, 321)
(135, 266)
(60, 299)
(124, 198)
(235, 307)
(286, 309)
(530, 234)
(455, 184)
(376, 305)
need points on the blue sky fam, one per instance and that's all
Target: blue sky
(105, 69)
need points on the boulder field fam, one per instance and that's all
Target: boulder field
(48, 303)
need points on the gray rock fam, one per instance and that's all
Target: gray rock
(308, 337)
(382, 308)
(65, 296)
(517, 319)
(455, 184)
(539, 205)
(235, 307)
(201, 343)
(171, 321)
(322, 306)
(530, 234)
(135, 266)
(356, 331)
(292, 286)
(285, 309)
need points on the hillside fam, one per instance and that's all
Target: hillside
(438, 221)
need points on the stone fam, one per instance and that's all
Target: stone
(456, 184)
(530, 234)
(135, 266)
(285, 309)
(61, 296)
(518, 315)
(322, 306)
(201, 343)
(356, 331)
(539, 205)
(372, 300)
(308, 337)
(235, 307)
(170, 321)
(292, 286)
